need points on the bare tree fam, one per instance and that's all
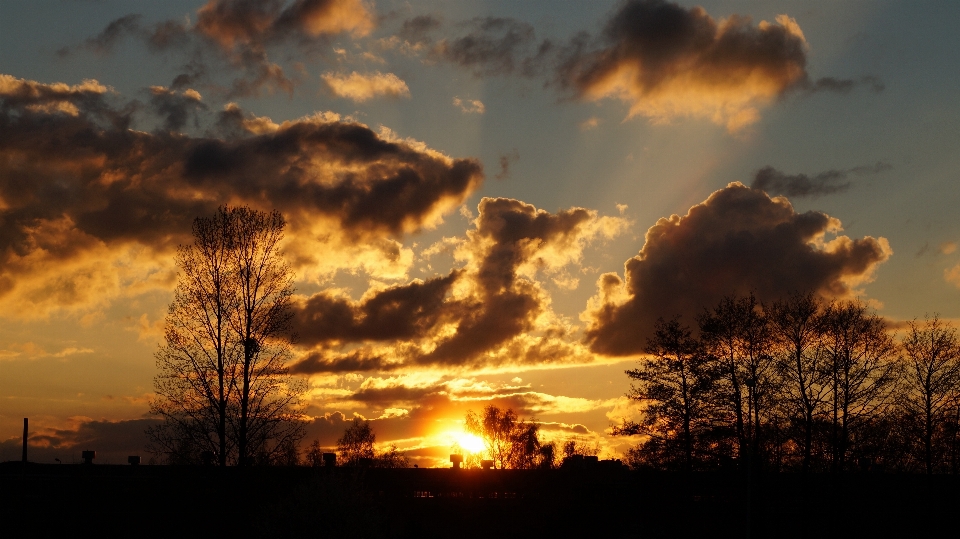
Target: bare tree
(796, 323)
(262, 323)
(863, 372)
(736, 333)
(932, 362)
(223, 388)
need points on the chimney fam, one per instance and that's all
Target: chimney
(88, 456)
(25, 421)
(456, 460)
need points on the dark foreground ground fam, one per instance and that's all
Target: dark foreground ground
(168, 501)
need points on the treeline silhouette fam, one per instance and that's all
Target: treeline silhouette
(801, 384)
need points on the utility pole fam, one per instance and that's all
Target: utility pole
(25, 421)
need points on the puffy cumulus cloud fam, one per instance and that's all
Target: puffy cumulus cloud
(88, 206)
(666, 61)
(112, 440)
(737, 241)
(776, 182)
(492, 311)
(359, 87)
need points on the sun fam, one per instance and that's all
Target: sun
(468, 442)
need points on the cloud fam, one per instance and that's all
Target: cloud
(952, 275)
(90, 207)
(491, 46)
(469, 106)
(843, 86)
(590, 123)
(107, 39)
(399, 312)
(360, 88)
(776, 182)
(251, 24)
(237, 34)
(417, 29)
(505, 161)
(490, 312)
(665, 61)
(176, 109)
(737, 241)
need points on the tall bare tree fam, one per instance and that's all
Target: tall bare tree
(736, 333)
(223, 387)
(796, 324)
(863, 371)
(932, 361)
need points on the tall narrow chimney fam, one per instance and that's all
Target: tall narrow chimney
(25, 440)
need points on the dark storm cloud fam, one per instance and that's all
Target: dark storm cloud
(487, 323)
(72, 176)
(776, 182)
(738, 241)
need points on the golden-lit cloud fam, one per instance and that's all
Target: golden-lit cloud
(469, 106)
(92, 208)
(490, 311)
(738, 241)
(590, 123)
(362, 87)
(666, 61)
(254, 23)
(952, 275)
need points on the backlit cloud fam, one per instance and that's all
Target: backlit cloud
(666, 61)
(737, 241)
(88, 205)
(362, 87)
(492, 311)
(238, 35)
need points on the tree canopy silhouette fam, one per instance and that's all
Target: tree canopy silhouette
(223, 388)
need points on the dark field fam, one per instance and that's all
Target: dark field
(166, 501)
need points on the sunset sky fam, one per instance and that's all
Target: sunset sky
(488, 202)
